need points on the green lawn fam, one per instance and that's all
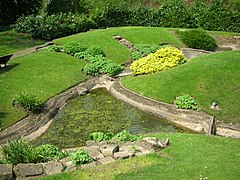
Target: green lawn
(11, 41)
(45, 74)
(207, 78)
(115, 51)
(191, 156)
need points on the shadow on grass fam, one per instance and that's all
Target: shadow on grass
(8, 68)
(2, 116)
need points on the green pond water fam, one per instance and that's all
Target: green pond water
(99, 111)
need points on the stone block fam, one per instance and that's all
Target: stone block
(89, 165)
(106, 160)
(94, 152)
(26, 170)
(52, 167)
(151, 141)
(66, 161)
(6, 172)
(142, 148)
(71, 168)
(123, 155)
(109, 149)
(163, 143)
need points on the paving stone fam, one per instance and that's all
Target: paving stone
(6, 172)
(52, 167)
(92, 164)
(30, 169)
(108, 149)
(106, 160)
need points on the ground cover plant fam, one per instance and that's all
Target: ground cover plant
(44, 74)
(162, 59)
(189, 156)
(12, 41)
(209, 78)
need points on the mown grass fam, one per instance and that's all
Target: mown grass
(189, 156)
(114, 50)
(207, 78)
(11, 41)
(42, 73)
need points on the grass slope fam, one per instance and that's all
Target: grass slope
(45, 74)
(191, 156)
(11, 41)
(208, 78)
(114, 50)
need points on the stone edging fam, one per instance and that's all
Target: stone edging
(100, 152)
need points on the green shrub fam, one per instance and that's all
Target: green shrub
(20, 151)
(186, 102)
(80, 55)
(53, 49)
(53, 26)
(80, 157)
(198, 39)
(91, 69)
(29, 101)
(164, 58)
(94, 51)
(72, 48)
(126, 136)
(93, 59)
(111, 69)
(136, 55)
(100, 136)
(50, 151)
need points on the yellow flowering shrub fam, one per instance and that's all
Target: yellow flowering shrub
(162, 59)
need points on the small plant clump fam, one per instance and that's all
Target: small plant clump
(162, 59)
(94, 51)
(186, 102)
(73, 47)
(80, 157)
(198, 39)
(122, 136)
(53, 48)
(29, 101)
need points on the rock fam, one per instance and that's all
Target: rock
(163, 143)
(106, 160)
(129, 148)
(142, 148)
(52, 167)
(92, 143)
(66, 161)
(151, 141)
(92, 164)
(30, 169)
(123, 155)
(109, 149)
(71, 168)
(94, 152)
(117, 38)
(6, 172)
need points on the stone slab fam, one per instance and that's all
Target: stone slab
(30, 169)
(6, 172)
(109, 149)
(52, 167)
(106, 160)
(89, 165)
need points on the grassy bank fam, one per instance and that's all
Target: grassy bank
(12, 41)
(189, 157)
(208, 78)
(114, 50)
(44, 74)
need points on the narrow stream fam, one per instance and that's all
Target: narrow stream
(99, 111)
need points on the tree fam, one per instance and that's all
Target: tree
(10, 10)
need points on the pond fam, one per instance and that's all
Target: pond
(99, 111)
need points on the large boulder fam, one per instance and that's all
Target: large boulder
(26, 170)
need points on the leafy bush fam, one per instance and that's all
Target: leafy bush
(164, 58)
(111, 69)
(53, 49)
(198, 39)
(80, 157)
(186, 102)
(100, 136)
(54, 26)
(126, 136)
(20, 151)
(94, 51)
(29, 101)
(50, 151)
(72, 48)
(91, 69)
(80, 55)
(136, 55)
